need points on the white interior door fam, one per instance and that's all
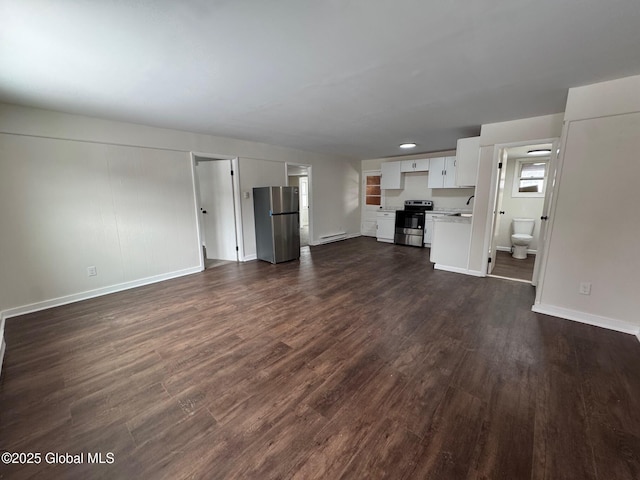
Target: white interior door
(372, 200)
(550, 181)
(501, 174)
(217, 209)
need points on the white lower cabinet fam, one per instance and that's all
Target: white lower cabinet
(386, 226)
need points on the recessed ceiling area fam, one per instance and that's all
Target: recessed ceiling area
(521, 151)
(348, 78)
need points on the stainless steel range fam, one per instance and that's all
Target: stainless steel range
(410, 223)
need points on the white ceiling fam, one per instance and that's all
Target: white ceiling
(337, 76)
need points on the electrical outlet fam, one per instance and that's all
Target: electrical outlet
(585, 288)
(92, 271)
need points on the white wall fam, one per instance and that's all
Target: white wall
(78, 191)
(596, 241)
(335, 189)
(517, 207)
(65, 206)
(416, 185)
(523, 130)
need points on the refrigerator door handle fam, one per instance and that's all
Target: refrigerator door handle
(282, 213)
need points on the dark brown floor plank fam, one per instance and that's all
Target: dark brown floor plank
(357, 361)
(563, 447)
(449, 443)
(507, 266)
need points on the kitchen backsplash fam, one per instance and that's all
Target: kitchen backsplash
(415, 188)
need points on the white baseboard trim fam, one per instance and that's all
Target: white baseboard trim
(464, 271)
(98, 292)
(508, 249)
(588, 318)
(447, 268)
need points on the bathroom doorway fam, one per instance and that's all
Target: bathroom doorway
(522, 180)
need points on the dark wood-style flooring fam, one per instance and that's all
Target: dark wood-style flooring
(509, 267)
(358, 362)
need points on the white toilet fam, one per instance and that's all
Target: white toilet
(522, 236)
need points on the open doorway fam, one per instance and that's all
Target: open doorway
(217, 212)
(299, 175)
(522, 180)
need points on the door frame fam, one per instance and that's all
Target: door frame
(549, 201)
(501, 175)
(237, 215)
(309, 192)
(363, 195)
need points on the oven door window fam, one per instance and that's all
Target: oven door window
(412, 220)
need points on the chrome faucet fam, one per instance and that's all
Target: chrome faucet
(469, 199)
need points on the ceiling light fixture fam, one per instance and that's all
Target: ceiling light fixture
(539, 152)
(408, 145)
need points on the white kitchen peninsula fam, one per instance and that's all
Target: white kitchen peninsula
(450, 242)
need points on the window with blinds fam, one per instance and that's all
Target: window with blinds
(529, 178)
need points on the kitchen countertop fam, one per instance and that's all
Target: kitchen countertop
(452, 219)
(437, 211)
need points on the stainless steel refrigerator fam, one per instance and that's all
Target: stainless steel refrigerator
(277, 219)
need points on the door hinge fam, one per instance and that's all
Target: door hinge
(236, 248)
(232, 172)
(500, 165)
(489, 260)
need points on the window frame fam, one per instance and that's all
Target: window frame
(517, 177)
(380, 196)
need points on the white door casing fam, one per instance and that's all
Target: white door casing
(552, 171)
(304, 201)
(217, 199)
(369, 221)
(304, 171)
(501, 175)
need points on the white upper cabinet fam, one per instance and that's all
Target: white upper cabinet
(442, 172)
(391, 176)
(417, 165)
(450, 172)
(467, 154)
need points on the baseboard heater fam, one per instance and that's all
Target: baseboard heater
(333, 237)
